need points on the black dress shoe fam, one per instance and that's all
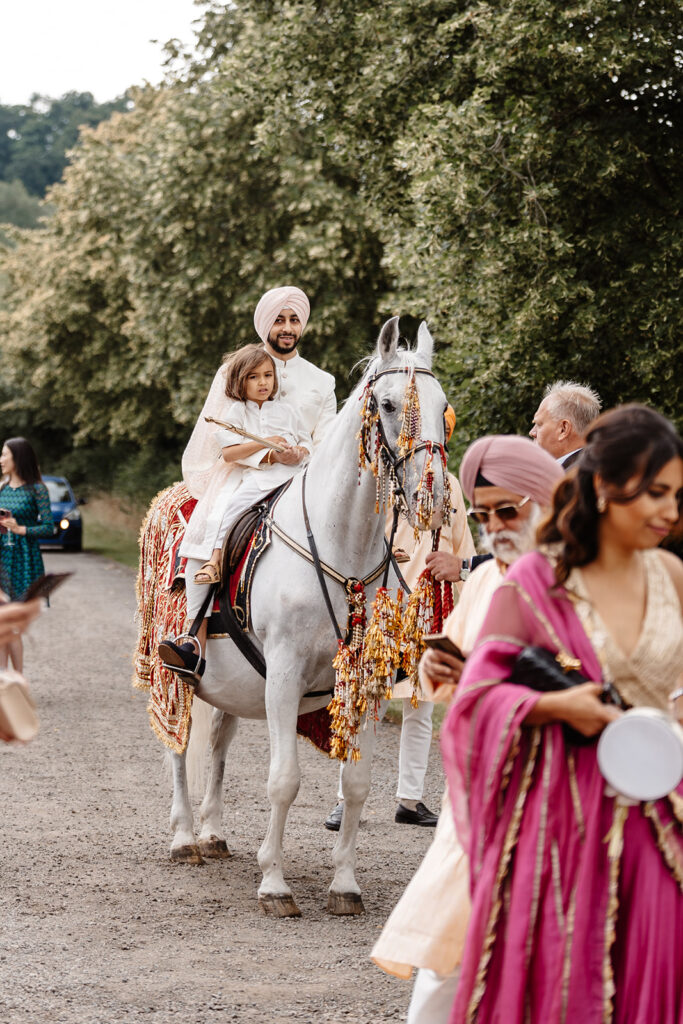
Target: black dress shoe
(184, 659)
(420, 816)
(333, 820)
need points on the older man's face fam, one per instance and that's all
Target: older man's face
(548, 432)
(508, 535)
(286, 332)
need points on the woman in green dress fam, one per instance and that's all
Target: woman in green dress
(25, 517)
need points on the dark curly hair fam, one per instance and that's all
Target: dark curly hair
(629, 442)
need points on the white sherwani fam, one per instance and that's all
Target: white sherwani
(309, 391)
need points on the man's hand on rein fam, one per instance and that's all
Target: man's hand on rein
(444, 566)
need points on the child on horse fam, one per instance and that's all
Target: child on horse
(254, 469)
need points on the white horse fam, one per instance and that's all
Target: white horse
(291, 625)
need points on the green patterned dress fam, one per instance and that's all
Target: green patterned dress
(20, 559)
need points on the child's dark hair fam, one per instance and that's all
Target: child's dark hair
(25, 461)
(629, 442)
(238, 366)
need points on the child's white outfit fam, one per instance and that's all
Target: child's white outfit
(246, 481)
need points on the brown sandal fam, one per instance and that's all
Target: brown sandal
(208, 574)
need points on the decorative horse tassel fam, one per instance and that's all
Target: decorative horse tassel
(425, 494)
(349, 702)
(411, 419)
(369, 416)
(447, 494)
(382, 647)
(418, 620)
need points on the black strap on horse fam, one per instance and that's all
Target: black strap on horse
(316, 559)
(237, 634)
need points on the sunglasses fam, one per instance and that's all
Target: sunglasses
(504, 512)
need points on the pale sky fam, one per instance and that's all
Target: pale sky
(98, 46)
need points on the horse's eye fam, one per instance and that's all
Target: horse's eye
(388, 406)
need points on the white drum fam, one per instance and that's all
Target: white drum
(640, 754)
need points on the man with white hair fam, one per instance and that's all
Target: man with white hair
(562, 418)
(509, 482)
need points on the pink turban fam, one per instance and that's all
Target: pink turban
(515, 463)
(273, 302)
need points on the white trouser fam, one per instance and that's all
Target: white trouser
(413, 755)
(433, 996)
(195, 592)
(246, 495)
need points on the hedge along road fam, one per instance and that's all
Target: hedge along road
(97, 924)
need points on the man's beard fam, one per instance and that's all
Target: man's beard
(509, 545)
(282, 349)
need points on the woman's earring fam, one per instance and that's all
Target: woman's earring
(601, 503)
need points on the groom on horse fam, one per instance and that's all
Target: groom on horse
(280, 319)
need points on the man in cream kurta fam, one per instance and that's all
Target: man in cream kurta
(416, 729)
(427, 927)
(280, 319)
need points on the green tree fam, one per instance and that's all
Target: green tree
(545, 204)
(35, 138)
(508, 172)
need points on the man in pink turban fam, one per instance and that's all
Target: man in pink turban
(509, 482)
(280, 320)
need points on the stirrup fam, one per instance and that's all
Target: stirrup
(177, 665)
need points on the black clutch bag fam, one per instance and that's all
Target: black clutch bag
(540, 669)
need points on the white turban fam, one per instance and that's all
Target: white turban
(273, 302)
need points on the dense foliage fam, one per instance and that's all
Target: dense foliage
(509, 173)
(35, 137)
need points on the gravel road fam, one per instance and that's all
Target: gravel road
(97, 924)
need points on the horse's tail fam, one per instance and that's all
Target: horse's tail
(195, 760)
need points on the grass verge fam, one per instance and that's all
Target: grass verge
(111, 528)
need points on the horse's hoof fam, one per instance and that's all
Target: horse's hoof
(279, 906)
(344, 903)
(213, 848)
(187, 854)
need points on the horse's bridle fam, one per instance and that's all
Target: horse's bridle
(395, 461)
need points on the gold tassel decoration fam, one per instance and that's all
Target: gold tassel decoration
(447, 495)
(425, 495)
(382, 648)
(417, 621)
(348, 702)
(411, 419)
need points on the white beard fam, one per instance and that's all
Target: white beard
(509, 545)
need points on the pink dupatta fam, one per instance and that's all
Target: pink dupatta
(553, 902)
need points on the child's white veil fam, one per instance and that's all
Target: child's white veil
(203, 451)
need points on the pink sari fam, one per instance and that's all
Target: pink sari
(577, 912)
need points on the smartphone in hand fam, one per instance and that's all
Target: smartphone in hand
(44, 586)
(443, 643)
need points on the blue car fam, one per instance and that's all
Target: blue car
(66, 514)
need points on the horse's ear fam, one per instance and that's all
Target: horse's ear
(388, 340)
(425, 343)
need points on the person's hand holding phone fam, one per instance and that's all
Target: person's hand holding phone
(440, 668)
